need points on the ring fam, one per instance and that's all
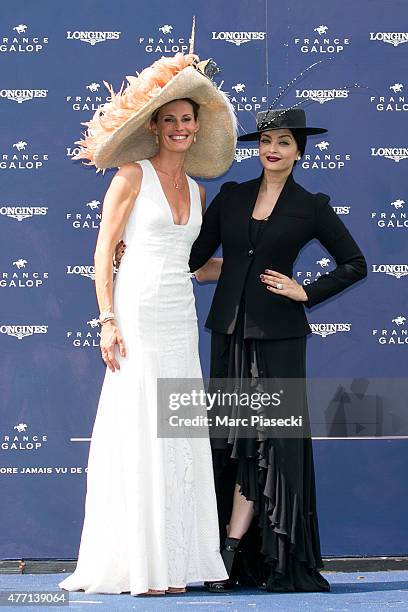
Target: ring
(279, 286)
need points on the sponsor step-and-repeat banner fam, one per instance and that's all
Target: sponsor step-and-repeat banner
(55, 58)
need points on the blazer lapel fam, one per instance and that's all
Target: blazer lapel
(284, 196)
(253, 190)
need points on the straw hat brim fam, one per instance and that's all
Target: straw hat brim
(213, 152)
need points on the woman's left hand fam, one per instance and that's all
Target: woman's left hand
(279, 283)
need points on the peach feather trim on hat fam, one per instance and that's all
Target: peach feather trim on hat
(124, 104)
(120, 131)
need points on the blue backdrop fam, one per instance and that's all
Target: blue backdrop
(54, 58)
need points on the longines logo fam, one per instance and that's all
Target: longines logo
(89, 218)
(164, 41)
(73, 151)
(394, 153)
(305, 277)
(396, 333)
(342, 210)
(238, 38)
(393, 218)
(323, 160)
(93, 38)
(321, 42)
(21, 41)
(328, 329)
(22, 159)
(22, 277)
(22, 331)
(87, 271)
(22, 212)
(392, 38)
(91, 100)
(244, 100)
(322, 95)
(391, 102)
(22, 440)
(22, 95)
(245, 153)
(396, 270)
(86, 337)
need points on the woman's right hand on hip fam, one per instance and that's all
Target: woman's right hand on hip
(110, 336)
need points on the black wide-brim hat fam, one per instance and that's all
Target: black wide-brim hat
(280, 118)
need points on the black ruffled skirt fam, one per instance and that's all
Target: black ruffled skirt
(282, 548)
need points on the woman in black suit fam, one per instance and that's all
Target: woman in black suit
(265, 485)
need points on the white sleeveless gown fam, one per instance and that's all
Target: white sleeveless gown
(150, 510)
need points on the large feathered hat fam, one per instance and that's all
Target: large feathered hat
(119, 131)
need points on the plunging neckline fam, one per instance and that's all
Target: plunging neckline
(168, 203)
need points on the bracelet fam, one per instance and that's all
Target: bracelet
(106, 320)
(106, 316)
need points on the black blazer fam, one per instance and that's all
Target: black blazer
(298, 217)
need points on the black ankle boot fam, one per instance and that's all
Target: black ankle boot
(228, 555)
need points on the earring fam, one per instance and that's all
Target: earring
(157, 139)
(298, 157)
(195, 138)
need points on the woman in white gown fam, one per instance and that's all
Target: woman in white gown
(150, 522)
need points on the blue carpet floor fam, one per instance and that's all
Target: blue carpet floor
(365, 591)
